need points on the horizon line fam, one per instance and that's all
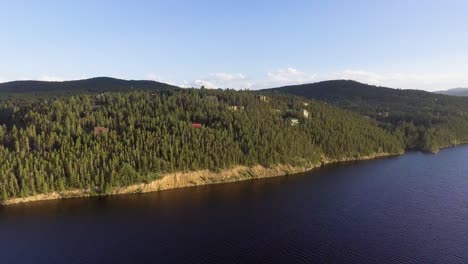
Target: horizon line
(224, 88)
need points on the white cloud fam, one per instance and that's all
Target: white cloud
(152, 77)
(223, 80)
(205, 83)
(185, 84)
(49, 78)
(223, 76)
(157, 78)
(288, 76)
(292, 76)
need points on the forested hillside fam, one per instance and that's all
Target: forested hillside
(103, 141)
(99, 84)
(422, 119)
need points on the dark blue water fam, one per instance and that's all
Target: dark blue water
(408, 209)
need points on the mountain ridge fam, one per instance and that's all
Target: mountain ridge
(104, 83)
(460, 91)
(96, 84)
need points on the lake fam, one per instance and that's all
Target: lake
(407, 209)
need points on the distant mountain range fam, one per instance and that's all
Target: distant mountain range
(320, 90)
(99, 84)
(455, 92)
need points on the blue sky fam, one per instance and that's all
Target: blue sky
(238, 44)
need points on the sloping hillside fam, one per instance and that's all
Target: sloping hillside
(425, 120)
(103, 142)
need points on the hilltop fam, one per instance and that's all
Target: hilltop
(93, 85)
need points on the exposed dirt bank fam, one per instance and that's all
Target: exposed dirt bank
(193, 178)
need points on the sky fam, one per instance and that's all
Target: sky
(409, 44)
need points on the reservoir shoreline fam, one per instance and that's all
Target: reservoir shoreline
(179, 180)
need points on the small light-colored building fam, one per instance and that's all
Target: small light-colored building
(263, 98)
(294, 121)
(305, 113)
(236, 108)
(305, 104)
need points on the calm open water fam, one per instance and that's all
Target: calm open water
(407, 209)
